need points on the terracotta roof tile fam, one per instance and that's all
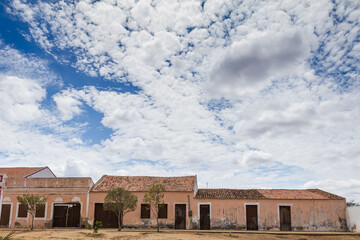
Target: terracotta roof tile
(20, 172)
(143, 183)
(306, 194)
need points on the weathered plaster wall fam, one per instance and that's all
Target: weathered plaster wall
(306, 215)
(132, 219)
(56, 190)
(353, 218)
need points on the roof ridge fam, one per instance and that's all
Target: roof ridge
(20, 167)
(151, 176)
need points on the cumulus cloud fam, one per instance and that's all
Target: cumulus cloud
(347, 187)
(20, 99)
(256, 158)
(249, 64)
(67, 105)
(282, 69)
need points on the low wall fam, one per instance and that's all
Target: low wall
(353, 218)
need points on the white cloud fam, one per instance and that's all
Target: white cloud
(20, 99)
(67, 105)
(256, 158)
(248, 65)
(301, 116)
(348, 187)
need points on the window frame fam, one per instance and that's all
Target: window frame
(19, 206)
(163, 206)
(43, 216)
(145, 207)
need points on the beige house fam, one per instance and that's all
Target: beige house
(77, 202)
(67, 198)
(187, 207)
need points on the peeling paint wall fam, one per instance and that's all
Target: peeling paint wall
(306, 215)
(133, 220)
(353, 218)
(56, 190)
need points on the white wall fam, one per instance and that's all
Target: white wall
(2, 184)
(353, 218)
(44, 173)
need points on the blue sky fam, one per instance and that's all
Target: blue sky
(244, 94)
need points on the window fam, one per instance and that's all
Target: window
(145, 210)
(162, 211)
(22, 211)
(40, 211)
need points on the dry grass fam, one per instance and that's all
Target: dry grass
(82, 234)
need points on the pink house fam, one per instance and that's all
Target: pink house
(77, 202)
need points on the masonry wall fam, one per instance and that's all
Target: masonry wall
(133, 219)
(306, 215)
(353, 218)
(56, 190)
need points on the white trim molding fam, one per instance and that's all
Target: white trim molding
(284, 205)
(258, 212)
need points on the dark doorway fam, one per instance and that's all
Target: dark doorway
(66, 215)
(204, 217)
(5, 215)
(251, 217)
(285, 218)
(108, 218)
(180, 216)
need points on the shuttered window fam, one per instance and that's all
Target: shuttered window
(145, 210)
(40, 211)
(22, 211)
(162, 211)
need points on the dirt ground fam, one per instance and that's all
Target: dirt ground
(80, 234)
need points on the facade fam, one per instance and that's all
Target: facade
(66, 205)
(179, 192)
(77, 202)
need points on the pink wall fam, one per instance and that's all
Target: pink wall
(56, 190)
(133, 218)
(306, 215)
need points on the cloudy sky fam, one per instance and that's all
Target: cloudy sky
(245, 94)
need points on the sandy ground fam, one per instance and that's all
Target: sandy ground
(80, 234)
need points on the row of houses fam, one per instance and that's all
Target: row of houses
(78, 202)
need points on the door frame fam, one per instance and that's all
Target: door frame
(278, 211)
(204, 203)
(258, 212)
(11, 211)
(186, 212)
(58, 203)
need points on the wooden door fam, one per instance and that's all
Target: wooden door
(66, 215)
(5, 215)
(251, 217)
(108, 219)
(285, 218)
(74, 215)
(205, 217)
(59, 216)
(180, 216)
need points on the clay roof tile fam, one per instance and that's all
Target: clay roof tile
(143, 183)
(303, 194)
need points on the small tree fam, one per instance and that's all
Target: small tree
(30, 202)
(155, 197)
(120, 202)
